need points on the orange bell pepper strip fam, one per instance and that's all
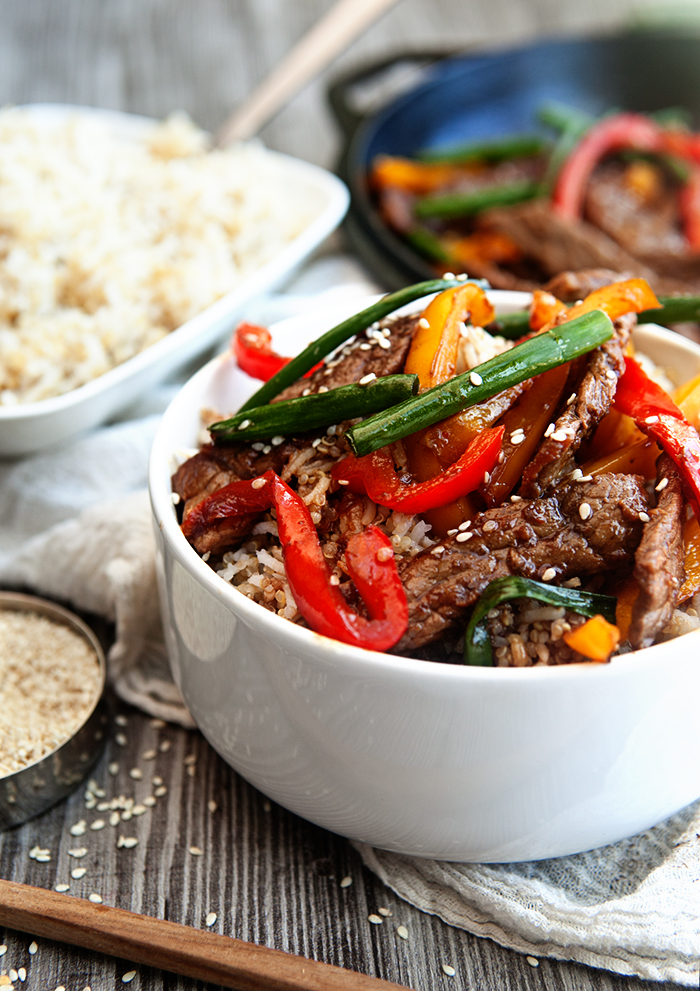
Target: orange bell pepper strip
(691, 541)
(631, 296)
(448, 438)
(531, 415)
(615, 432)
(626, 596)
(544, 309)
(596, 639)
(416, 177)
(635, 459)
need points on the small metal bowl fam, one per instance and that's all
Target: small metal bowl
(38, 786)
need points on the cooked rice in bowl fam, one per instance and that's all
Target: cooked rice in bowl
(108, 243)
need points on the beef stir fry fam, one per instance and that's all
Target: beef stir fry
(620, 193)
(431, 488)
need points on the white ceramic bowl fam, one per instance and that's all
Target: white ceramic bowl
(458, 763)
(31, 427)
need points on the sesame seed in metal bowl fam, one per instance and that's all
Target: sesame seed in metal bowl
(52, 676)
(539, 756)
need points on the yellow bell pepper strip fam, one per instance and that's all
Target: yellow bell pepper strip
(691, 542)
(528, 420)
(626, 596)
(596, 639)
(683, 391)
(477, 644)
(615, 432)
(369, 557)
(433, 352)
(656, 414)
(544, 309)
(375, 476)
(688, 399)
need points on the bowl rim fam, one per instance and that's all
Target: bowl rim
(335, 651)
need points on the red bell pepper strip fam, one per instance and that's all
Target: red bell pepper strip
(609, 135)
(374, 475)
(252, 347)
(689, 203)
(657, 415)
(369, 558)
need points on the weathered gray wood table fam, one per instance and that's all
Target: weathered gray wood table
(211, 843)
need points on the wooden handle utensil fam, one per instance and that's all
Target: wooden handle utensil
(331, 35)
(205, 956)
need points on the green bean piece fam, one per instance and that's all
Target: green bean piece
(296, 416)
(674, 309)
(336, 336)
(561, 117)
(425, 242)
(569, 137)
(487, 150)
(511, 325)
(536, 355)
(477, 643)
(467, 204)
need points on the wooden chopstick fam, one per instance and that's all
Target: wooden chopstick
(317, 49)
(205, 956)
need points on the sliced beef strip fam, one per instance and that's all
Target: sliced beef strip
(659, 562)
(594, 396)
(363, 356)
(643, 229)
(530, 537)
(569, 287)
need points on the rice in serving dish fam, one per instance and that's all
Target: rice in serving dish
(108, 243)
(577, 499)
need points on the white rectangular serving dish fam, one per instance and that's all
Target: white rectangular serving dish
(31, 427)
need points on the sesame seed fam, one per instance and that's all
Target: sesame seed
(385, 553)
(571, 399)
(572, 583)
(160, 791)
(515, 498)
(306, 392)
(559, 435)
(212, 805)
(612, 377)
(549, 431)
(210, 919)
(517, 438)
(462, 277)
(244, 424)
(128, 977)
(533, 961)
(334, 580)
(644, 517)
(384, 343)
(98, 824)
(462, 538)
(79, 852)
(79, 828)
(126, 815)
(277, 440)
(662, 485)
(149, 801)
(157, 780)
(95, 898)
(464, 525)
(576, 473)
(437, 549)
(585, 511)
(3, 950)
(62, 887)
(448, 275)
(366, 379)
(120, 740)
(158, 723)
(258, 446)
(78, 872)
(424, 324)
(192, 770)
(33, 947)
(475, 378)
(266, 449)
(585, 478)
(490, 525)
(376, 920)
(60, 987)
(190, 759)
(487, 478)
(365, 347)
(323, 388)
(451, 533)
(402, 932)
(195, 851)
(448, 970)
(149, 754)
(121, 720)
(549, 574)
(128, 842)
(164, 746)
(258, 483)
(384, 912)
(136, 773)
(651, 419)
(13, 975)
(102, 806)
(113, 768)
(175, 498)
(114, 819)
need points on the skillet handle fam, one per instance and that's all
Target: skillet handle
(363, 92)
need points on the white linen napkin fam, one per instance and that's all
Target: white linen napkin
(75, 525)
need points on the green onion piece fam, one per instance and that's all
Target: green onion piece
(674, 309)
(536, 355)
(466, 204)
(561, 117)
(487, 150)
(477, 644)
(296, 416)
(569, 137)
(333, 338)
(425, 242)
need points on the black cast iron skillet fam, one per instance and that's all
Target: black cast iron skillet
(463, 97)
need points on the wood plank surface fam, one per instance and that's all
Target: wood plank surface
(211, 843)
